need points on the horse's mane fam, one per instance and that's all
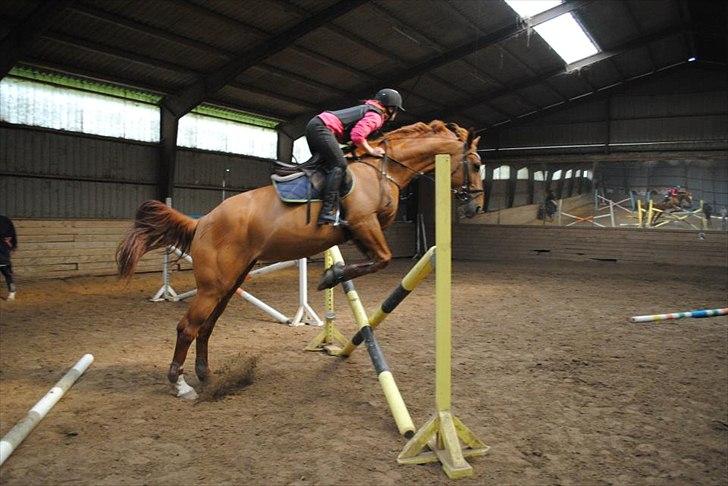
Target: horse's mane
(435, 127)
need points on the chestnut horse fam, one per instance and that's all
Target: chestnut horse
(256, 226)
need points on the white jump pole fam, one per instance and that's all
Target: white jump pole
(304, 315)
(17, 434)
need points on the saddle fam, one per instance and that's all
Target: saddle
(303, 183)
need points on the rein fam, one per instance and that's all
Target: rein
(463, 193)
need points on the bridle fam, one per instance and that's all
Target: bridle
(464, 194)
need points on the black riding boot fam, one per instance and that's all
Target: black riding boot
(331, 197)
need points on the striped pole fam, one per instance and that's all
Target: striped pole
(417, 274)
(680, 315)
(444, 437)
(17, 434)
(394, 398)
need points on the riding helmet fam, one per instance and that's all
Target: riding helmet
(389, 98)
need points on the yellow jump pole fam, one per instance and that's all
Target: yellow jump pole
(329, 335)
(639, 213)
(443, 433)
(417, 274)
(391, 392)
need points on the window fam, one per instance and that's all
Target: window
(502, 172)
(568, 174)
(564, 34)
(557, 175)
(209, 133)
(301, 153)
(522, 173)
(539, 176)
(588, 174)
(27, 102)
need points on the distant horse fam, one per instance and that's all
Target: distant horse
(671, 203)
(256, 225)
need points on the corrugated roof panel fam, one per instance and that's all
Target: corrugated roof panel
(434, 89)
(488, 16)
(267, 15)
(467, 77)
(347, 51)
(654, 14)
(107, 66)
(484, 114)
(260, 77)
(368, 24)
(316, 69)
(91, 31)
(541, 94)
(607, 22)
(500, 65)
(188, 20)
(256, 102)
(531, 49)
(634, 62)
(569, 85)
(432, 25)
(314, 5)
(18, 9)
(511, 104)
(602, 74)
(670, 50)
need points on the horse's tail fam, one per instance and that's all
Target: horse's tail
(156, 225)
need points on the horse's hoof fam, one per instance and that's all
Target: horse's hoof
(183, 390)
(333, 276)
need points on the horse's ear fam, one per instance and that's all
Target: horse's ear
(475, 141)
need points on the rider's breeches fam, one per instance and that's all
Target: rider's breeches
(7, 271)
(322, 141)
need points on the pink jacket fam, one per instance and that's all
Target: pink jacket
(371, 122)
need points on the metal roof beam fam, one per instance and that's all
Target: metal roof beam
(571, 68)
(19, 40)
(595, 94)
(195, 93)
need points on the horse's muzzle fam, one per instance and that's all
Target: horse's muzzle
(471, 209)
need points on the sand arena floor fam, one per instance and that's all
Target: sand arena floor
(546, 370)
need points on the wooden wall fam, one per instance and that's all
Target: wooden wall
(623, 245)
(75, 247)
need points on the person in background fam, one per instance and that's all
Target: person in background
(8, 244)
(325, 131)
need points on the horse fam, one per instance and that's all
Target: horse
(256, 226)
(678, 201)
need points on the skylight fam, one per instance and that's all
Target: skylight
(529, 8)
(564, 34)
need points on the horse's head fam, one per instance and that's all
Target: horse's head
(466, 172)
(413, 149)
(685, 198)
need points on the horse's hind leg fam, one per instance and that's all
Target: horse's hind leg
(202, 368)
(201, 308)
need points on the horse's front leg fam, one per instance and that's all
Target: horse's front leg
(369, 237)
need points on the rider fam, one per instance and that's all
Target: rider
(325, 131)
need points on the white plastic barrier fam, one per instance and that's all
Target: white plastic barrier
(17, 434)
(304, 315)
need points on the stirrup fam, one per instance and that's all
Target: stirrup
(332, 219)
